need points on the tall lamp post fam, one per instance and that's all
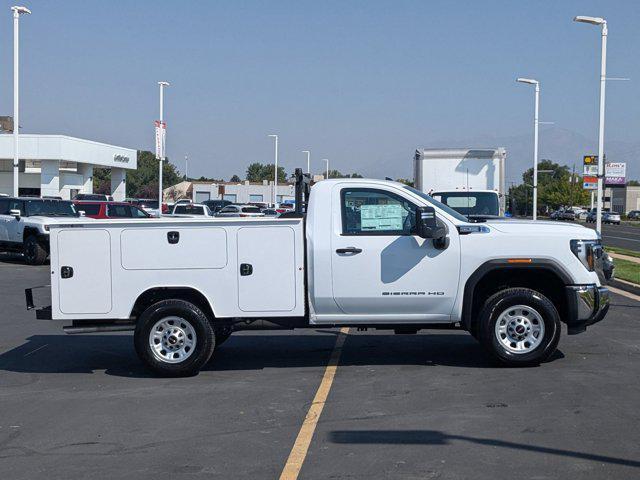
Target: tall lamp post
(308, 160)
(326, 160)
(275, 175)
(161, 155)
(17, 11)
(603, 72)
(535, 141)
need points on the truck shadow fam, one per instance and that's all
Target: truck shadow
(114, 354)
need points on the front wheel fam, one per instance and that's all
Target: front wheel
(519, 327)
(34, 254)
(174, 338)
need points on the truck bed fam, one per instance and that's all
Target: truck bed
(243, 267)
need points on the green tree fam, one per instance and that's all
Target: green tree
(406, 181)
(143, 182)
(338, 174)
(633, 183)
(257, 172)
(235, 178)
(557, 188)
(102, 181)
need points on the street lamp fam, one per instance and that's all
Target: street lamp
(275, 175)
(308, 160)
(161, 154)
(326, 160)
(603, 70)
(17, 11)
(531, 81)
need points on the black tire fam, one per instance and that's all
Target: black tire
(33, 252)
(499, 303)
(195, 323)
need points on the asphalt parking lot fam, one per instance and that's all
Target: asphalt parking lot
(621, 236)
(412, 407)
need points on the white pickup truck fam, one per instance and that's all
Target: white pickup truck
(367, 254)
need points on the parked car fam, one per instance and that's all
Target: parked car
(572, 213)
(149, 205)
(634, 215)
(93, 196)
(216, 205)
(110, 210)
(611, 217)
(557, 214)
(270, 212)
(192, 209)
(371, 253)
(240, 211)
(24, 225)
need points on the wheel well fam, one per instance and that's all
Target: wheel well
(543, 280)
(28, 231)
(187, 294)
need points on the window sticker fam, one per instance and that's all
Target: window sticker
(381, 217)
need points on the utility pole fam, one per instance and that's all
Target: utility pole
(162, 152)
(17, 11)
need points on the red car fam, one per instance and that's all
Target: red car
(96, 209)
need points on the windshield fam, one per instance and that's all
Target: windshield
(470, 203)
(49, 208)
(438, 204)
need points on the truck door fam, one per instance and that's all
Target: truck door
(381, 270)
(84, 270)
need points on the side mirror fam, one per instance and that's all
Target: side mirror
(427, 227)
(14, 212)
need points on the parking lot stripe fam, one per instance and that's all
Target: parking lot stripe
(624, 294)
(303, 440)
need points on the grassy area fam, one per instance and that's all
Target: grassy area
(623, 251)
(626, 270)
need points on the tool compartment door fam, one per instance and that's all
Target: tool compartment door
(84, 271)
(267, 269)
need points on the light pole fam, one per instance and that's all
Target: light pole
(275, 175)
(603, 72)
(308, 160)
(186, 167)
(161, 153)
(535, 142)
(326, 160)
(17, 11)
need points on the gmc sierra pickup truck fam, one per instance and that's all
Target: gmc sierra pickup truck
(357, 252)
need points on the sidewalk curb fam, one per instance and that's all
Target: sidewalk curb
(626, 286)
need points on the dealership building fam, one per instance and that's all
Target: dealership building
(62, 166)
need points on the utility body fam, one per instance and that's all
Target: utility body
(367, 253)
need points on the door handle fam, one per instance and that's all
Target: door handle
(173, 237)
(352, 250)
(66, 272)
(246, 269)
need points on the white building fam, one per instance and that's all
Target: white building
(236, 192)
(61, 166)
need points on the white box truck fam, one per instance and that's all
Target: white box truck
(366, 253)
(469, 180)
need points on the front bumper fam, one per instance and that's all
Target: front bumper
(587, 304)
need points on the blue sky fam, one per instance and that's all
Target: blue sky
(362, 83)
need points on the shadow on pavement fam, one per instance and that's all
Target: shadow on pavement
(435, 437)
(115, 354)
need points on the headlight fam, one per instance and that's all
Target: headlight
(587, 251)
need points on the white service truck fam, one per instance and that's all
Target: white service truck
(469, 180)
(367, 254)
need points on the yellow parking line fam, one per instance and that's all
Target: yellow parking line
(301, 446)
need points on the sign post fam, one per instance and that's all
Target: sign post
(590, 172)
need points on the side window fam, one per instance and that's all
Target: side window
(16, 205)
(4, 206)
(368, 211)
(89, 208)
(137, 213)
(119, 211)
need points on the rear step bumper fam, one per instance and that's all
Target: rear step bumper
(42, 313)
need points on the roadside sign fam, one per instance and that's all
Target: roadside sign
(161, 131)
(590, 172)
(589, 182)
(615, 174)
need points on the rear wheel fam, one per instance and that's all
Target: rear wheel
(174, 338)
(519, 327)
(34, 254)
